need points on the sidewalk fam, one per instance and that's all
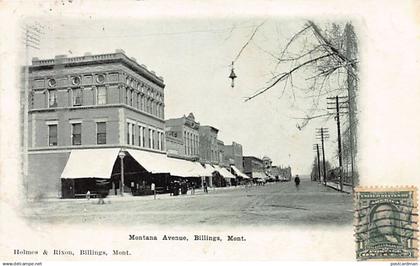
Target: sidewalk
(336, 186)
(128, 197)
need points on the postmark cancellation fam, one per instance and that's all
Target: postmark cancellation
(386, 223)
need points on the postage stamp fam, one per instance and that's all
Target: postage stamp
(386, 223)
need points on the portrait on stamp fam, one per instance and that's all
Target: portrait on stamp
(386, 224)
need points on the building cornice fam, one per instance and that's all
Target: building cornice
(118, 57)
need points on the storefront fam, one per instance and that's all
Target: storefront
(99, 170)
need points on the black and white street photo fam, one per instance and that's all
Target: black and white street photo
(195, 131)
(250, 121)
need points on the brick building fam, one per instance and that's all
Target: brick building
(220, 153)
(209, 148)
(182, 137)
(253, 165)
(233, 155)
(107, 102)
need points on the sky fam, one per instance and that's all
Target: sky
(194, 57)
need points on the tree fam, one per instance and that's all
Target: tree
(328, 59)
(314, 171)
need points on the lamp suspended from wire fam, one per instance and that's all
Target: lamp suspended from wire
(232, 76)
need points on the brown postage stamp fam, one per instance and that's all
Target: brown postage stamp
(386, 224)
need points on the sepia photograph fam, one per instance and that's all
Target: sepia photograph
(224, 132)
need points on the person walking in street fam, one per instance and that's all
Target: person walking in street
(297, 181)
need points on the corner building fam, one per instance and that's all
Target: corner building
(93, 102)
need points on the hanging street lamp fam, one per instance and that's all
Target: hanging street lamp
(232, 76)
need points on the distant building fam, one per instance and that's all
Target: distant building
(221, 151)
(267, 162)
(252, 165)
(284, 173)
(209, 148)
(183, 138)
(233, 155)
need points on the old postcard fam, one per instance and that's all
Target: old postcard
(206, 130)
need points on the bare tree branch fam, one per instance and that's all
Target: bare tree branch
(249, 40)
(292, 39)
(333, 49)
(286, 75)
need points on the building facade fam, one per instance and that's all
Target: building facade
(92, 101)
(267, 162)
(209, 149)
(220, 153)
(183, 138)
(252, 165)
(233, 155)
(283, 173)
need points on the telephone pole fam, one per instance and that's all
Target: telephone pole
(322, 134)
(316, 147)
(351, 51)
(336, 101)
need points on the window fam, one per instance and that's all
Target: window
(52, 135)
(101, 132)
(77, 96)
(141, 137)
(101, 95)
(133, 99)
(127, 95)
(128, 133)
(132, 134)
(76, 134)
(160, 141)
(150, 138)
(52, 98)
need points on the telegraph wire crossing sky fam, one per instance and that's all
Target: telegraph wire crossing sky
(194, 57)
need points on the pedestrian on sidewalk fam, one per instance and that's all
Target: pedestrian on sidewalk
(205, 187)
(192, 188)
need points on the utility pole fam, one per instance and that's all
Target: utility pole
(31, 39)
(322, 134)
(316, 146)
(351, 50)
(337, 118)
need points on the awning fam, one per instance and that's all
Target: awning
(209, 169)
(223, 172)
(259, 175)
(226, 174)
(160, 163)
(183, 168)
(90, 163)
(239, 173)
(156, 163)
(201, 170)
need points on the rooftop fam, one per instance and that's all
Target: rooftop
(118, 56)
